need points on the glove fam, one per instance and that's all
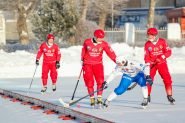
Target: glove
(57, 64)
(105, 85)
(37, 62)
(149, 80)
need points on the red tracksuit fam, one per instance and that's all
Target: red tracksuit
(92, 63)
(156, 55)
(51, 55)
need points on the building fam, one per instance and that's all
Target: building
(139, 16)
(137, 13)
(177, 15)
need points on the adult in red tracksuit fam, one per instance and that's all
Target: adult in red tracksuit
(92, 53)
(51, 61)
(156, 53)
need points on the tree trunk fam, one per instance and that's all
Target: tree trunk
(23, 12)
(84, 9)
(102, 19)
(151, 13)
(22, 26)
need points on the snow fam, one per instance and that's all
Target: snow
(21, 64)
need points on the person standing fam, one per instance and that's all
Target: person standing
(51, 61)
(91, 56)
(156, 53)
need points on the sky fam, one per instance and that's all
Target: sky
(21, 64)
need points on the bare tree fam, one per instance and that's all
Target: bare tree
(84, 9)
(84, 27)
(151, 13)
(102, 17)
(23, 12)
(108, 7)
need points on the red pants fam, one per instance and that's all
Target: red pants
(46, 67)
(89, 73)
(165, 75)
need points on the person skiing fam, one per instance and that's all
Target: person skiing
(51, 61)
(156, 52)
(132, 71)
(91, 57)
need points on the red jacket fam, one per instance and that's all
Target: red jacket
(92, 54)
(51, 54)
(157, 53)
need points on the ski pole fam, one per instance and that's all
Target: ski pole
(33, 77)
(76, 85)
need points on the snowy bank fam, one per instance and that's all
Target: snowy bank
(21, 64)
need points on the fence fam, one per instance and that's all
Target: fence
(112, 35)
(118, 35)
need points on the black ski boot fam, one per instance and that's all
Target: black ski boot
(43, 90)
(171, 99)
(54, 87)
(149, 99)
(144, 104)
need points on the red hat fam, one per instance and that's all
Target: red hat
(152, 31)
(99, 33)
(50, 36)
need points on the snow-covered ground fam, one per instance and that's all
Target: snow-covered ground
(17, 70)
(21, 64)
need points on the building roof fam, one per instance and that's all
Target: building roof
(177, 12)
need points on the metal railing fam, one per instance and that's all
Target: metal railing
(118, 35)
